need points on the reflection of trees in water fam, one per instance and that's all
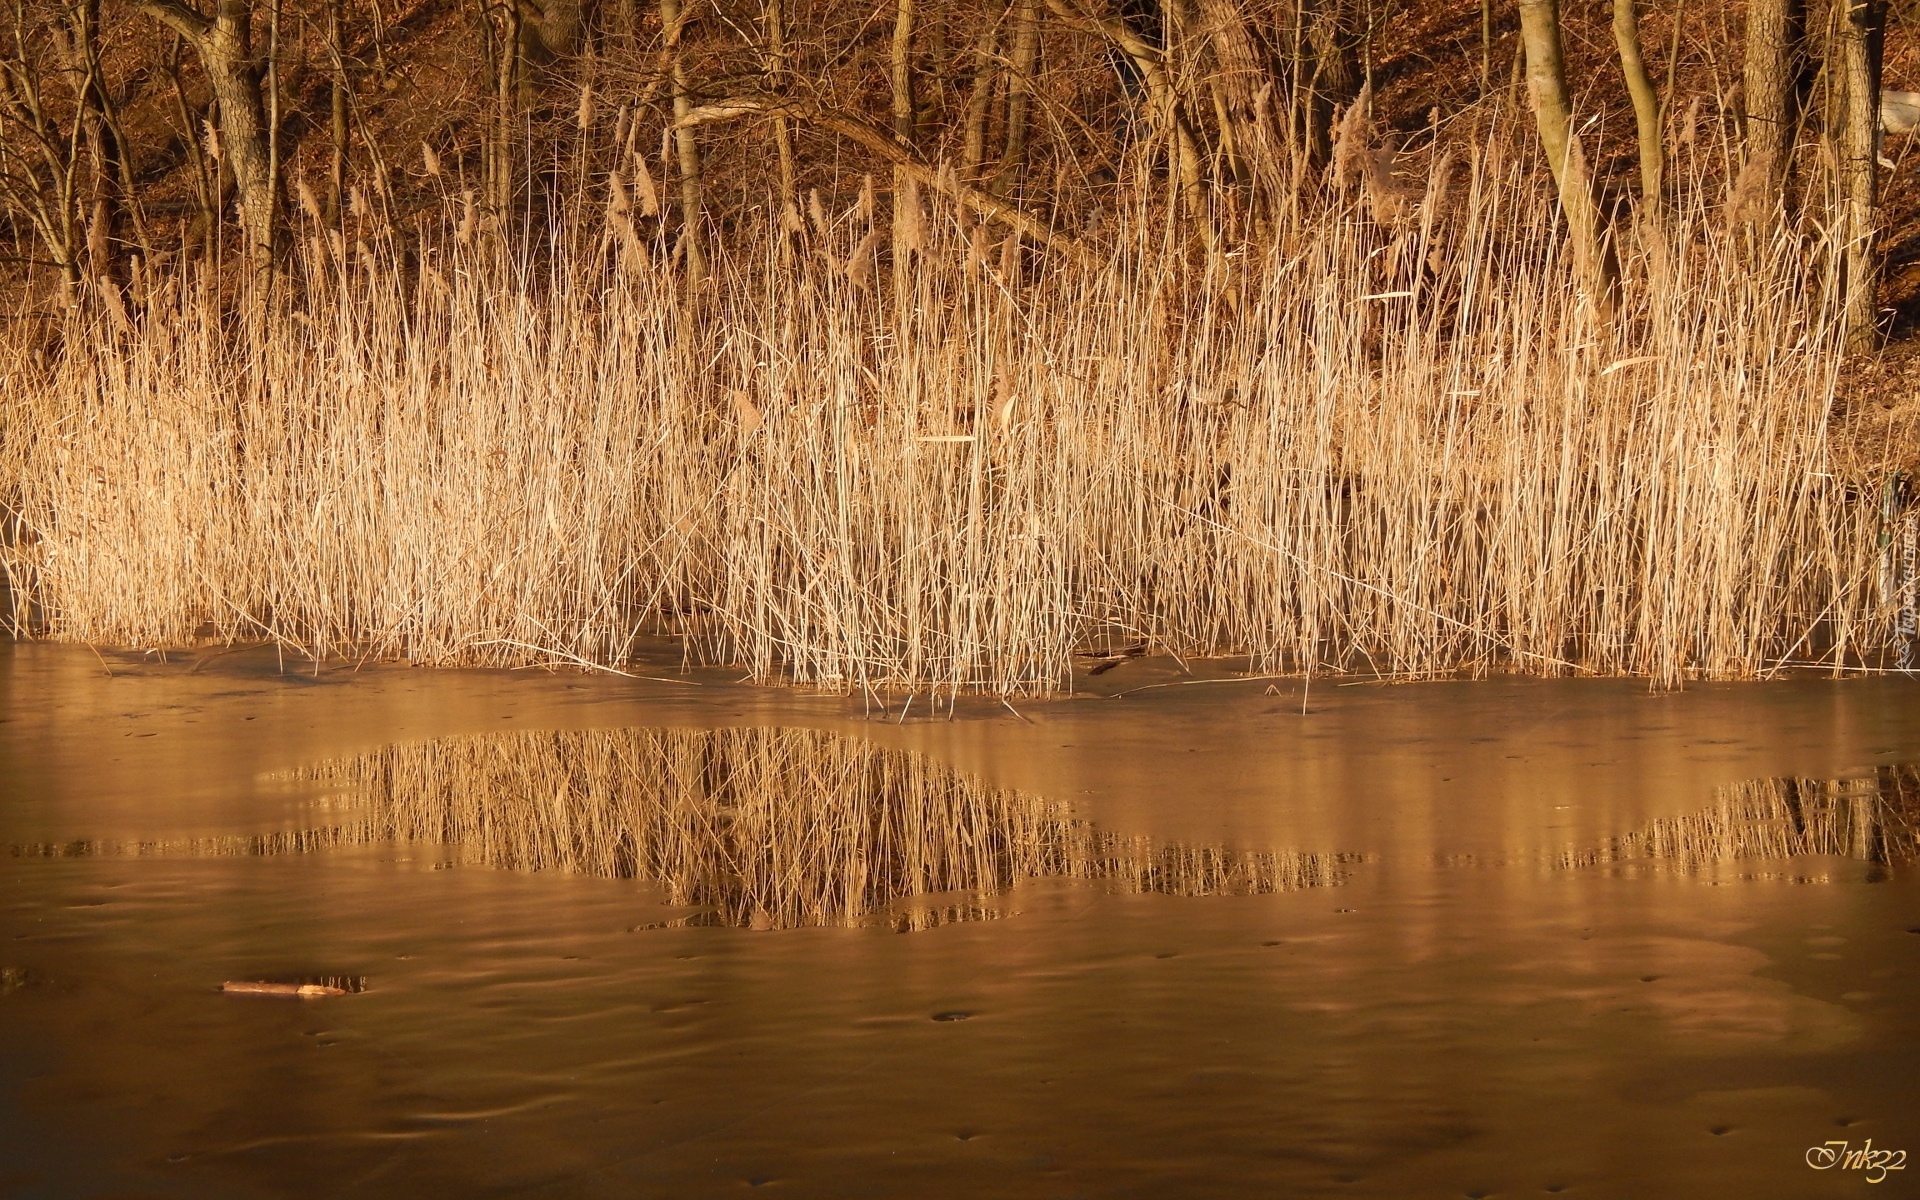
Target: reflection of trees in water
(1874, 819)
(770, 828)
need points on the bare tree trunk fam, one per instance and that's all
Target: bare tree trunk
(39, 167)
(1646, 104)
(1189, 171)
(905, 220)
(337, 170)
(271, 84)
(206, 185)
(506, 109)
(1553, 116)
(549, 31)
(1776, 30)
(1026, 53)
(224, 44)
(973, 141)
(775, 29)
(1334, 76)
(672, 18)
(901, 73)
(1236, 81)
(1858, 50)
(1486, 47)
(111, 199)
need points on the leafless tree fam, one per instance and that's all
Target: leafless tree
(237, 70)
(1553, 117)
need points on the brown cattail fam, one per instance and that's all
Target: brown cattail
(1438, 182)
(1750, 201)
(910, 218)
(978, 239)
(1690, 126)
(861, 264)
(633, 254)
(431, 158)
(99, 225)
(623, 128)
(1385, 196)
(1010, 256)
(308, 203)
(744, 410)
(469, 216)
(1352, 140)
(585, 111)
(116, 309)
(643, 185)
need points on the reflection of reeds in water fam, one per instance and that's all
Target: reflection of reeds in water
(770, 828)
(290, 841)
(1874, 819)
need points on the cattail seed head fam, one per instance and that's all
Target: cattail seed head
(469, 217)
(909, 218)
(1352, 140)
(644, 189)
(308, 203)
(860, 266)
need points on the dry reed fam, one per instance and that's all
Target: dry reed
(1398, 445)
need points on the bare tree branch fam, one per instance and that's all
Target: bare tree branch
(880, 142)
(176, 16)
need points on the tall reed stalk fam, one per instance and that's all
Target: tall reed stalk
(1391, 439)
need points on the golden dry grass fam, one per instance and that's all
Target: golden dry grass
(1403, 448)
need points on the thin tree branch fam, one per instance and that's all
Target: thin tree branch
(986, 205)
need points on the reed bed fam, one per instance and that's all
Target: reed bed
(1390, 438)
(1872, 819)
(767, 828)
